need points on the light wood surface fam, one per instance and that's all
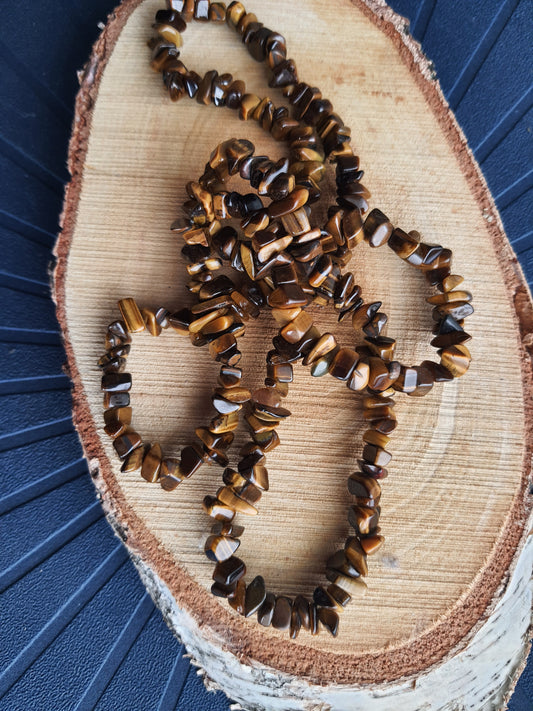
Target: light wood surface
(457, 472)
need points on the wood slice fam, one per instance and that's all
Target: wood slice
(446, 616)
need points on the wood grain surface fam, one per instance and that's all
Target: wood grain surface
(453, 505)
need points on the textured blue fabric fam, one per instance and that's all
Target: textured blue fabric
(78, 629)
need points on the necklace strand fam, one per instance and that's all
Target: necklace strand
(284, 264)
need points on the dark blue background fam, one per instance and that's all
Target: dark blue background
(78, 629)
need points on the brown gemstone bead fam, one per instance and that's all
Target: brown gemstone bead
(359, 377)
(225, 591)
(181, 320)
(267, 440)
(296, 624)
(229, 377)
(376, 455)
(450, 282)
(282, 373)
(450, 339)
(439, 373)
(424, 381)
(407, 380)
(313, 619)
(152, 464)
(402, 243)
(380, 377)
(237, 394)
(322, 268)
(449, 296)
(341, 596)
(266, 396)
(281, 619)
(287, 297)
(170, 476)
(224, 423)
(297, 328)
(220, 547)
(321, 365)
(191, 459)
(116, 334)
(322, 599)
(325, 344)
(377, 228)
(229, 571)
(205, 89)
(257, 475)
(330, 620)
(353, 586)
(458, 310)
(116, 382)
(247, 492)
(372, 470)
(217, 12)
(133, 461)
(296, 223)
(456, 359)
(356, 555)
(371, 544)
(301, 608)
(292, 202)
(230, 498)
(364, 487)
(237, 597)
(363, 518)
(224, 406)
(127, 442)
(213, 440)
(151, 323)
(377, 438)
(217, 510)
(255, 596)
(337, 564)
(251, 455)
(259, 425)
(249, 103)
(382, 346)
(343, 363)
(266, 611)
(225, 528)
(131, 315)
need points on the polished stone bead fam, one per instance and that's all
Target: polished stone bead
(330, 620)
(449, 297)
(372, 470)
(266, 396)
(301, 609)
(337, 564)
(321, 365)
(151, 323)
(371, 544)
(402, 243)
(407, 380)
(181, 320)
(127, 442)
(224, 349)
(229, 571)
(297, 328)
(364, 313)
(364, 487)
(324, 345)
(224, 591)
(229, 376)
(170, 476)
(131, 315)
(247, 491)
(296, 223)
(266, 611)
(282, 373)
(237, 597)
(376, 455)
(227, 496)
(359, 377)
(217, 12)
(439, 373)
(255, 596)
(169, 33)
(343, 363)
(382, 375)
(458, 310)
(117, 420)
(281, 619)
(456, 359)
(373, 328)
(213, 440)
(296, 623)
(378, 438)
(292, 202)
(267, 440)
(355, 554)
(116, 334)
(352, 586)
(220, 547)
(450, 282)
(133, 461)
(227, 528)
(268, 412)
(191, 459)
(363, 518)
(314, 627)
(116, 382)
(377, 228)
(169, 17)
(118, 352)
(217, 510)
(352, 228)
(224, 423)
(450, 339)
(259, 425)
(205, 89)
(214, 456)
(152, 464)
(287, 297)
(382, 346)
(339, 595)
(322, 599)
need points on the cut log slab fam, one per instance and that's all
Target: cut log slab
(445, 621)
